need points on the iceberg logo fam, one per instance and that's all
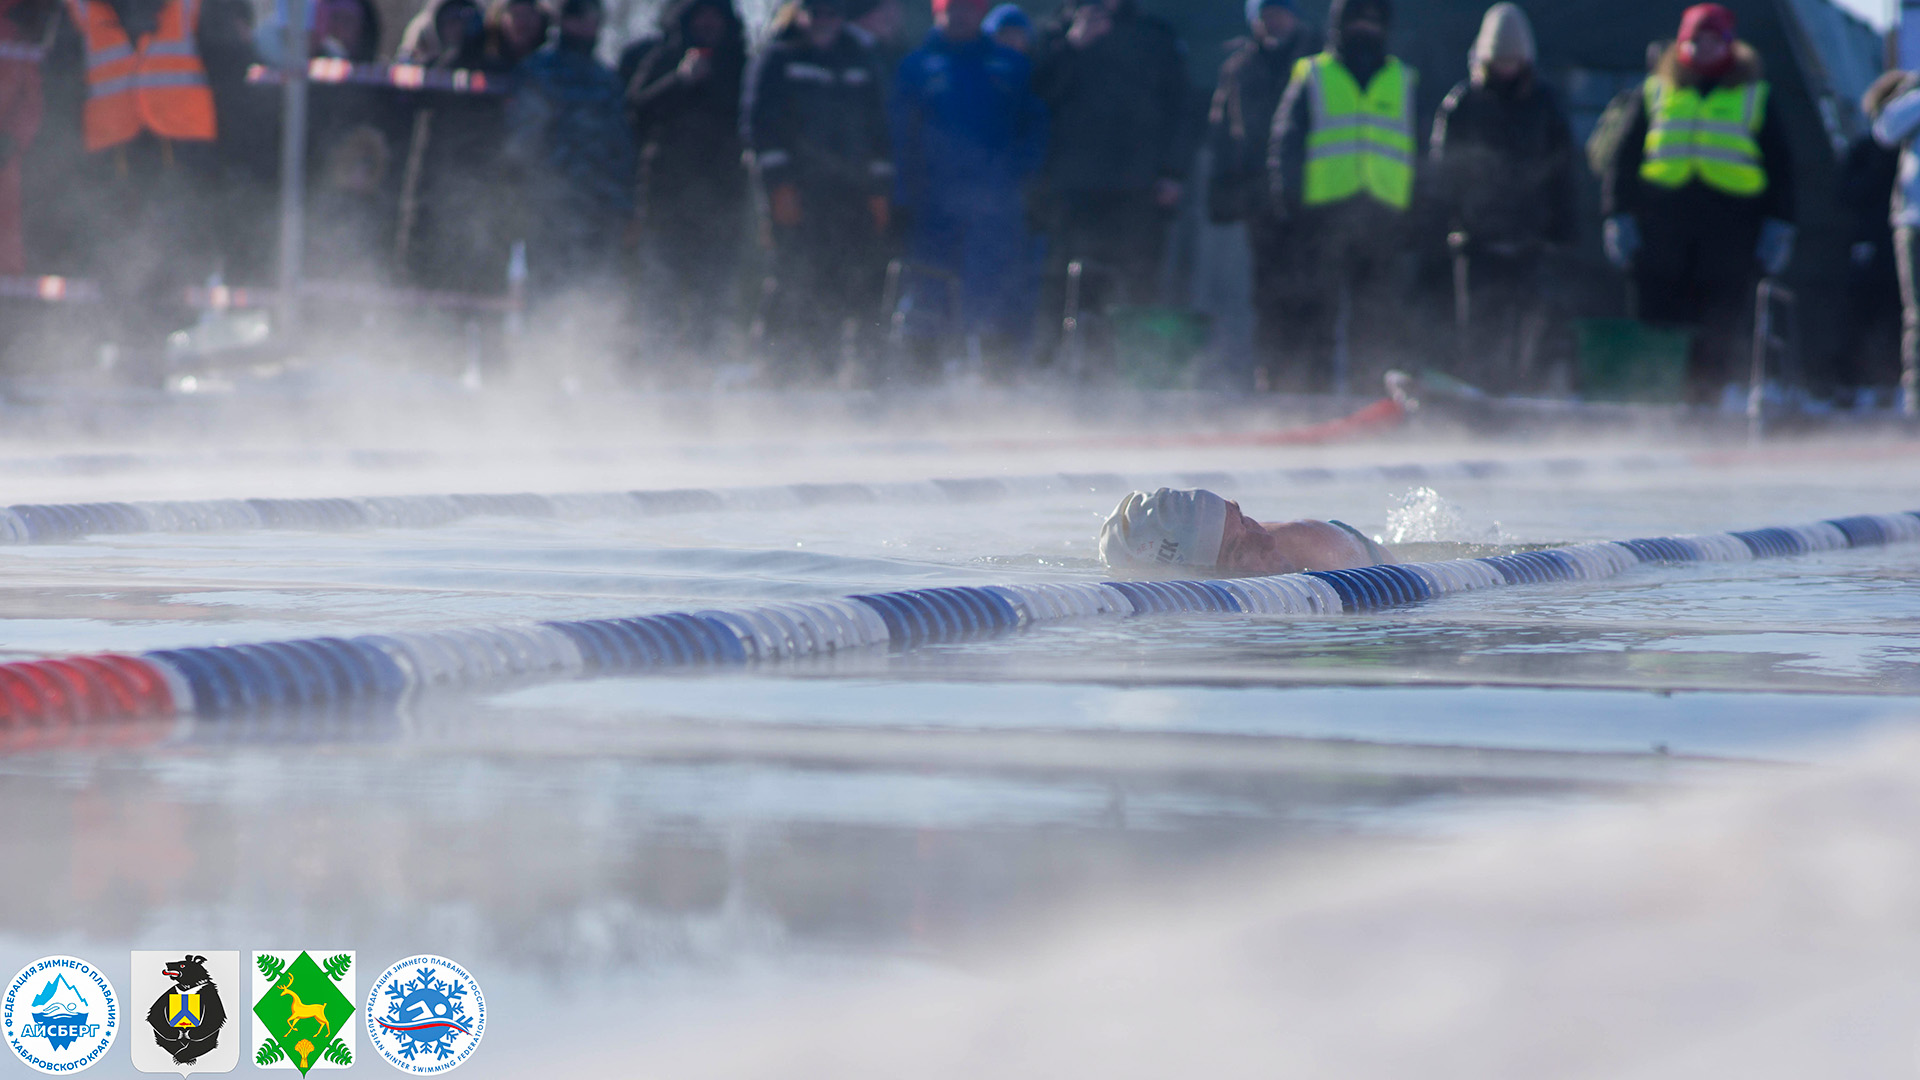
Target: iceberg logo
(59, 1014)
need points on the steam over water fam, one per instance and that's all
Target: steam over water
(1654, 826)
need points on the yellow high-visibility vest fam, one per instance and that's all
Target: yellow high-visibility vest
(1714, 138)
(1362, 140)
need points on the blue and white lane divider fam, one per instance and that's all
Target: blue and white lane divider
(349, 673)
(54, 523)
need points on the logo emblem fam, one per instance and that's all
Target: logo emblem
(187, 1021)
(59, 1014)
(425, 1015)
(302, 1008)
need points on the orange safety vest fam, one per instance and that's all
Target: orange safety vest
(158, 85)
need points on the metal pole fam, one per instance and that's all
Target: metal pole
(293, 165)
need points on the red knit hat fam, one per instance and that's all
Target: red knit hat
(1710, 18)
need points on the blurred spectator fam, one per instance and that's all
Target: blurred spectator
(569, 145)
(1867, 358)
(1700, 200)
(683, 92)
(877, 26)
(1503, 162)
(1341, 163)
(1897, 126)
(446, 34)
(353, 209)
(345, 30)
(451, 233)
(1254, 76)
(516, 29)
(818, 131)
(1010, 28)
(968, 133)
(20, 107)
(1114, 80)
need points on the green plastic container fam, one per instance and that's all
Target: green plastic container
(1155, 346)
(1627, 360)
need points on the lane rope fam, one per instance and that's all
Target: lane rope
(54, 523)
(342, 676)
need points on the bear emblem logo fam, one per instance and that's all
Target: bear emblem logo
(188, 1016)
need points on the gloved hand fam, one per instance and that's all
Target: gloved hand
(1621, 234)
(1775, 249)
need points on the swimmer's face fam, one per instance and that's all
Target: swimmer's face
(1245, 547)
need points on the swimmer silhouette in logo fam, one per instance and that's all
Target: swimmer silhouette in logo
(187, 1018)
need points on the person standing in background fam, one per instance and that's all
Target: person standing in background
(817, 129)
(684, 89)
(1114, 81)
(516, 29)
(1503, 175)
(1341, 164)
(1700, 199)
(569, 147)
(1897, 127)
(968, 133)
(1252, 80)
(20, 108)
(1010, 28)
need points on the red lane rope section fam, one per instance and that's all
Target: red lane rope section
(1379, 416)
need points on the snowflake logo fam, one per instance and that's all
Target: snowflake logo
(427, 1014)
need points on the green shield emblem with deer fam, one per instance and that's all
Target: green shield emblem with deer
(303, 1010)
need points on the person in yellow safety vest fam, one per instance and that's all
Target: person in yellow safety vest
(1340, 164)
(1699, 200)
(143, 78)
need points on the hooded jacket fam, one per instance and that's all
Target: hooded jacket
(1502, 152)
(1252, 81)
(1623, 192)
(967, 128)
(1119, 108)
(814, 117)
(421, 43)
(688, 134)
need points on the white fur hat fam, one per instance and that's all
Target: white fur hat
(1164, 530)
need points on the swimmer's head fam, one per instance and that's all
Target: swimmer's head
(1164, 532)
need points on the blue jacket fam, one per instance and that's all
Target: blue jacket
(568, 119)
(968, 130)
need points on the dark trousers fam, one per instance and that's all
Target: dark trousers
(1696, 270)
(695, 247)
(1351, 301)
(1122, 234)
(1500, 315)
(1906, 248)
(826, 298)
(1284, 302)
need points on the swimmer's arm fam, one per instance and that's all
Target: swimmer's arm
(1316, 545)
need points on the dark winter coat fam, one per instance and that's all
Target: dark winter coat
(1503, 164)
(814, 118)
(688, 134)
(967, 126)
(1119, 107)
(567, 133)
(1623, 192)
(1252, 80)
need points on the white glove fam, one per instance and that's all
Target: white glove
(1621, 234)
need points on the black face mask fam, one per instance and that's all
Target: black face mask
(1364, 51)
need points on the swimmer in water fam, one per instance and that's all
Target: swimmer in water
(1197, 533)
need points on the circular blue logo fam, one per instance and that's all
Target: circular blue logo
(59, 1014)
(425, 1014)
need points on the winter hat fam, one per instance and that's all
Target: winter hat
(1164, 530)
(1505, 34)
(1255, 7)
(1343, 10)
(1706, 17)
(1004, 16)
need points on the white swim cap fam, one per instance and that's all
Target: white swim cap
(1164, 530)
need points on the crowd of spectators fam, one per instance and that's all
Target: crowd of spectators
(977, 165)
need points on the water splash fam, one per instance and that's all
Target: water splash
(1425, 516)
